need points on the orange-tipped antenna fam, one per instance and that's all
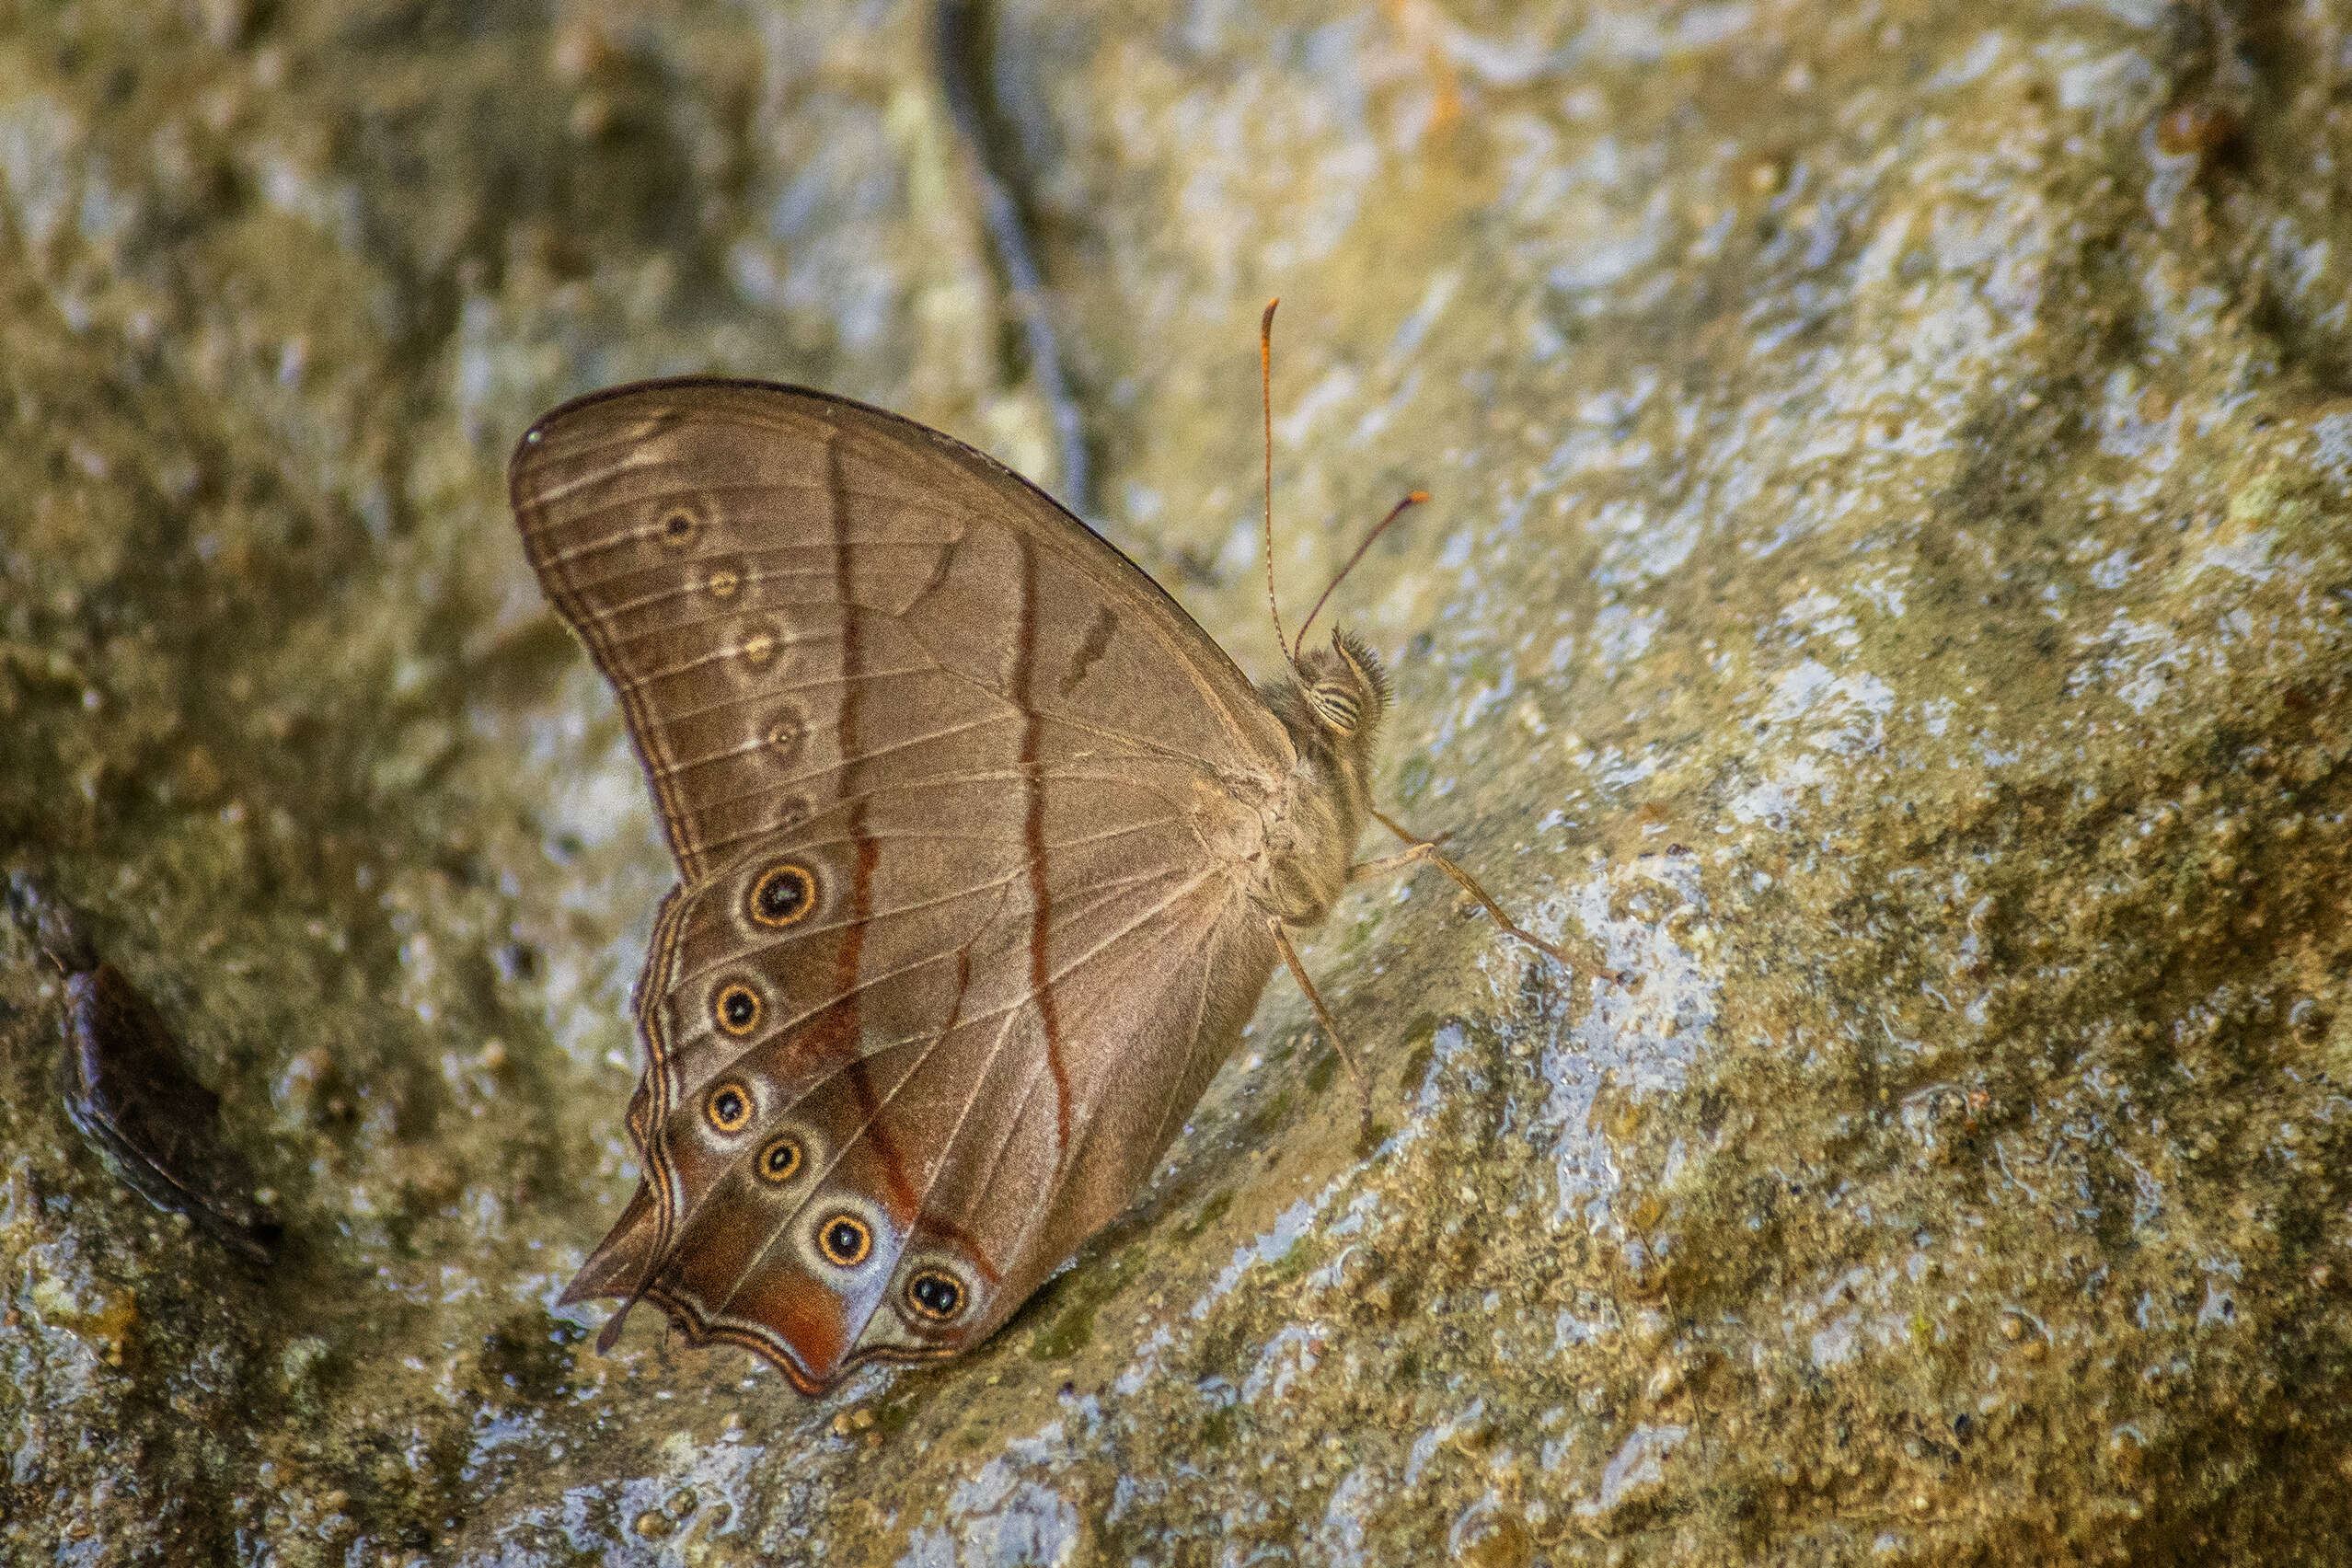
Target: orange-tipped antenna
(1265, 387)
(1416, 499)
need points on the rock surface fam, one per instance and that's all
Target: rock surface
(1890, 588)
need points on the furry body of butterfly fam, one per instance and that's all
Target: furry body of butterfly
(985, 854)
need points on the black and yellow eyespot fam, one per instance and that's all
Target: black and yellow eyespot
(846, 1241)
(934, 1294)
(728, 1107)
(781, 1160)
(679, 526)
(784, 894)
(736, 1008)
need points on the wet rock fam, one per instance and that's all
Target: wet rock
(1886, 589)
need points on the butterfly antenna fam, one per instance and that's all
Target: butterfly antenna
(1416, 499)
(1265, 388)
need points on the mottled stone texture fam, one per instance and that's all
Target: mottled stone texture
(1889, 586)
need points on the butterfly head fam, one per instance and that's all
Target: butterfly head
(1343, 684)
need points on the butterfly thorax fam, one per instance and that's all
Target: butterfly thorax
(1330, 703)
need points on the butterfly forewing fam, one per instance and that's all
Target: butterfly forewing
(962, 803)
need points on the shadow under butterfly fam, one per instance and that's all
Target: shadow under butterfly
(986, 851)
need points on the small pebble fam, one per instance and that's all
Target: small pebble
(2202, 129)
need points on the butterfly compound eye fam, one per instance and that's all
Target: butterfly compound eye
(935, 1295)
(729, 1109)
(736, 1008)
(846, 1241)
(1337, 707)
(783, 894)
(781, 1160)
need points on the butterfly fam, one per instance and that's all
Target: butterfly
(986, 852)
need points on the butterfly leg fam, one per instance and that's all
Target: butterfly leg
(1323, 1017)
(1424, 851)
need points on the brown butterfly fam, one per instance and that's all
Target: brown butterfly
(986, 849)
